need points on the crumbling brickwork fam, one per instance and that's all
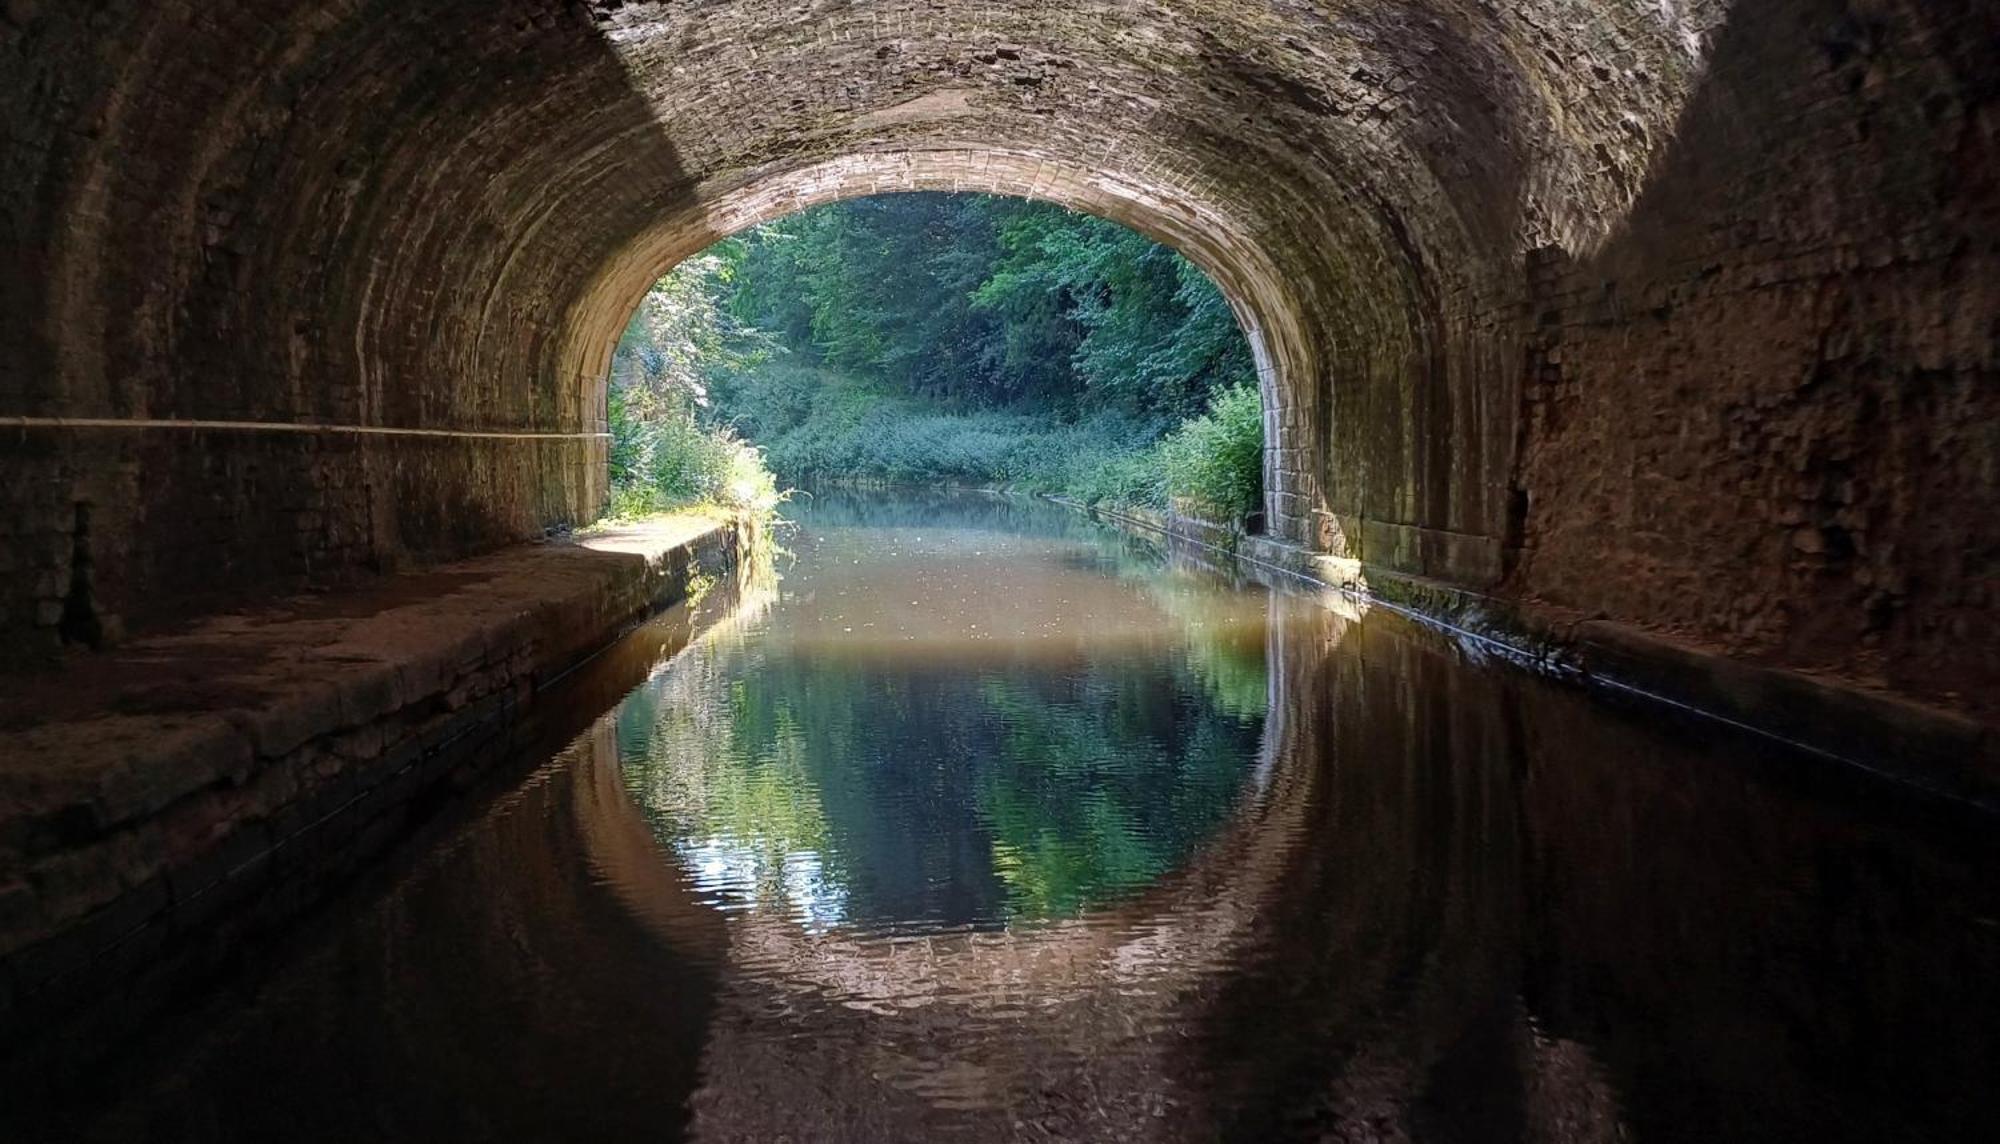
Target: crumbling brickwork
(1764, 415)
(1674, 313)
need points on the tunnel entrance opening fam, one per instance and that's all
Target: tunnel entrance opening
(944, 339)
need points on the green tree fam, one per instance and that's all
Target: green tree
(662, 454)
(955, 338)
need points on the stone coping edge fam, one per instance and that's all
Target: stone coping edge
(343, 790)
(1939, 752)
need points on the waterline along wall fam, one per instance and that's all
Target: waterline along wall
(1672, 317)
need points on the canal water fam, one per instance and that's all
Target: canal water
(981, 821)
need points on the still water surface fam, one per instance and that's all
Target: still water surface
(985, 822)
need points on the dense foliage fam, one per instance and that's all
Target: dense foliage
(664, 453)
(945, 338)
(986, 302)
(1215, 460)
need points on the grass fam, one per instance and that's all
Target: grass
(671, 462)
(815, 426)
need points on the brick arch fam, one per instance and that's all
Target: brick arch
(1673, 313)
(1258, 293)
(416, 217)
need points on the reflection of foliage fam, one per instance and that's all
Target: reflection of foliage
(1234, 680)
(767, 802)
(1083, 786)
(875, 790)
(681, 766)
(1225, 646)
(1087, 799)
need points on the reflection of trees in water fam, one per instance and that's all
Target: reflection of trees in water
(1223, 648)
(952, 796)
(1104, 792)
(1464, 909)
(1455, 906)
(1462, 906)
(720, 772)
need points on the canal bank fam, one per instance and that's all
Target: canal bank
(1941, 752)
(195, 782)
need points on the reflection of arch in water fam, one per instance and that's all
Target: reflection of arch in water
(1115, 1022)
(884, 998)
(896, 972)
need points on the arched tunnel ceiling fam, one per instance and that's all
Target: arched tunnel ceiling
(453, 181)
(1545, 288)
(1519, 125)
(1280, 144)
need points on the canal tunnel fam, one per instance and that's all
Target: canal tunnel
(1655, 336)
(1675, 316)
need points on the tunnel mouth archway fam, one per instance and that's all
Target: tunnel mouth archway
(1004, 327)
(1257, 294)
(1599, 309)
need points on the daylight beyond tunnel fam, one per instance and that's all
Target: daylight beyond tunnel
(1674, 315)
(939, 340)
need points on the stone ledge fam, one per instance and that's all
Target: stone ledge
(1937, 750)
(145, 789)
(1940, 751)
(1193, 529)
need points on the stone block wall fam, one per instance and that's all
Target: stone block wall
(1763, 417)
(102, 528)
(249, 760)
(1674, 315)
(281, 223)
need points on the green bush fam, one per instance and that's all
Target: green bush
(1131, 478)
(1215, 462)
(669, 460)
(818, 425)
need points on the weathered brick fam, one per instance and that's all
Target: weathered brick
(1682, 310)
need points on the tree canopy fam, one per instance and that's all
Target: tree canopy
(991, 302)
(933, 338)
